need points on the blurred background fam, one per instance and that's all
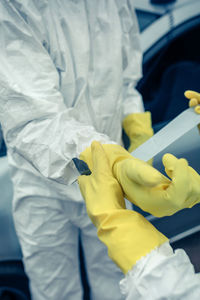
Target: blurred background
(169, 37)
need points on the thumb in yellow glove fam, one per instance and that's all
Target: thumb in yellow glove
(158, 195)
(127, 234)
(138, 128)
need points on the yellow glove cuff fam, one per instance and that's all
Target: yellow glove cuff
(137, 123)
(129, 237)
(138, 127)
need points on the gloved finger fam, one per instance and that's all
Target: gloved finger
(193, 102)
(144, 174)
(100, 160)
(197, 109)
(178, 171)
(169, 161)
(174, 167)
(192, 94)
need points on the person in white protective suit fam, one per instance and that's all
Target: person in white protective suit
(67, 77)
(152, 270)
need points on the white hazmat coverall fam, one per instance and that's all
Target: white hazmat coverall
(162, 274)
(67, 77)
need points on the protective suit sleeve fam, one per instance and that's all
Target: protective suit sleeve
(163, 274)
(132, 59)
(36, 124)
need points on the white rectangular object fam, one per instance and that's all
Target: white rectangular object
(183, 123)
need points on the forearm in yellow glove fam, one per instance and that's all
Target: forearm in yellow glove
(138, 128)
(127, 234)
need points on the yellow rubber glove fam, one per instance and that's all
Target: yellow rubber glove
(127, 234)
(138, 128)
(157, 197)
(125, 169)
(115, 154)
(194, 98)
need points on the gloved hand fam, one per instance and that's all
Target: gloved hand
(125, 169)
(194, 98)
(138, 128)
(157, 195)
(127, 234)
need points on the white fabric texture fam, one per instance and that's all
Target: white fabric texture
(162, 274)
(68, 71)
(49, 233)
(67, 77)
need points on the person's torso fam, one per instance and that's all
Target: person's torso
(84, 39)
